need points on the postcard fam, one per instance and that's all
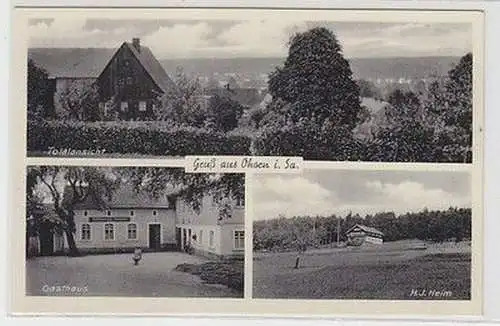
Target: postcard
(265, 162)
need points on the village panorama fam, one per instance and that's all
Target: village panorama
(316, 90)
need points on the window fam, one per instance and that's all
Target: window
(239, 239)
(240, 201)
(109, 231)
(129, 80)
(211, 239)
(131, 213)
(142, 106)
(86, 235)
(109, 213)
(85, 213)
(132, 231)
(107, 107)
(201, 237)
(154, 213)
(124, 106)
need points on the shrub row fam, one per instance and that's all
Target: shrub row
(152, 138)
(311, 144)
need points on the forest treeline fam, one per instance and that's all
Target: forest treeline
(283, 234)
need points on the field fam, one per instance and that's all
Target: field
(392, 271)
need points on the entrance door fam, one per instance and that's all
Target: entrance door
(46, 236)
(155, 236)
(178, 238)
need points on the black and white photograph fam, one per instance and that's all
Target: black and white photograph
(133, 232)
(363, 235)
(262, 86)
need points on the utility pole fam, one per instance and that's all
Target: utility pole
(338, 231)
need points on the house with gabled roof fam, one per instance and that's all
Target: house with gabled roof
(130, 81)
(130, 219)
(360, 234)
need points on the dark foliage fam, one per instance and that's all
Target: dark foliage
(229, 273)
(317, 80)
(223, 113)
(281, 234)
(192, 187)
(134, 137)
(39, 91)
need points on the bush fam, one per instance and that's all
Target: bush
(312, 143)
(136, 137)
(229, 274)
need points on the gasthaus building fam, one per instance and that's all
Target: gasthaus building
(168, 223)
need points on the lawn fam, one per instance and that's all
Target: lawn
(365, 274)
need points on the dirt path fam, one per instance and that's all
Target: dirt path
(115, 275)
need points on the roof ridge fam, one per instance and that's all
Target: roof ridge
(160, 81)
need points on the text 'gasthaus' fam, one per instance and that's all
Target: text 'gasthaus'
(242, 164)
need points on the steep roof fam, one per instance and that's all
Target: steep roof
(366, 229)
(73, 62)
(153, 67)
(126, 197)
(90, 63)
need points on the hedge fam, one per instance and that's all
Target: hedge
(311, 144)
(151, 138)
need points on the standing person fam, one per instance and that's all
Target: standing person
(137, 255)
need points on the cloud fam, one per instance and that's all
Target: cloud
(278, 195)
(347, 191)
(414, 196)
(261, 37)
(179, 40)
(407, 40)
(65, 32)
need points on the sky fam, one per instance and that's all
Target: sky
(251, 38)
(326, 192)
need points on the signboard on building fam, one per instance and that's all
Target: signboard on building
(109, 219)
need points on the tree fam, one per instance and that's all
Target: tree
(314, 100)
(80, 101)
(69, 186)
(404, 137)
(192, 187)
(368, 89)
(317, 80)
(456, 135)
(223, 113)
(33, 206)
(38, 89)
(183, 104)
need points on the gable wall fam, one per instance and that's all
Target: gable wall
(125, 79)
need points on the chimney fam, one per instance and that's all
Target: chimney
(136, 42)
